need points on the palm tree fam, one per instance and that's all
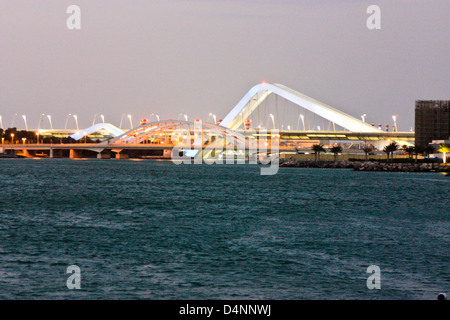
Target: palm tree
(444, 148)
(390, 149)
(393, 146)
(335, 150)
(367, 150)
(410, 151)
(317, 148)
(387, 151)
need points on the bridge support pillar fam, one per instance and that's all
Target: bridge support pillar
(167, 153)
(56, 153)
(74, 154)
(25, 153)
(121, 156)
(103, 155)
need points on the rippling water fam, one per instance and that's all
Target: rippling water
(154, 230)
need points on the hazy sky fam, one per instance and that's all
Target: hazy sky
(199, 56)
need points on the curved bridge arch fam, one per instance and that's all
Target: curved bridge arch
(141, 133)
(244, 108)
(113, 130)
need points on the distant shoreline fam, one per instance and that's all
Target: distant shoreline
(367, 165)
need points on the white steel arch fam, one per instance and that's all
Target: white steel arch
(245, 107)
(111, 129)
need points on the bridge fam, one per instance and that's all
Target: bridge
(297, 120)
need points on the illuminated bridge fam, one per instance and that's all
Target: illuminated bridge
(300, 122)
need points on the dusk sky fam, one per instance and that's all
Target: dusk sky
(197, 57)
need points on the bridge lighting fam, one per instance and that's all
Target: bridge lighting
(12, 138)
(103, 118)
(303, 122)
(93, 120)
(76, 121)
(363, 117)
(23, 140)
(1, 123)
(318, 128)
(131, 122)
(394, 117)
(25, 120)
(214, 117)
(157, 117)
(273, 120)
(37, 137)
(50, 120)
(40, 120)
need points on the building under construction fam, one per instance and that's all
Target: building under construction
(432, 121)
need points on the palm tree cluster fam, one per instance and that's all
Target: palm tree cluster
(318, 148)
(336, 150)
(367, 150)
(390, 149)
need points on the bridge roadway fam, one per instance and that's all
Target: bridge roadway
(292, 135)
(99, 147)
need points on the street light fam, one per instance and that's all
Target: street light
(273, 120)
(76, 121)
(363, 117)
(394, 117)
(50, 120)
(121, 120)
(37, 137)
(23, 140)
(25, 120)
(101, 116)
(303, 122)
(12, 138)
(131, 123)
(40, 121)
(1, 123)
(157, 117)
(214, 117)
(93, 120)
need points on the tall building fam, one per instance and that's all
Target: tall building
(432, 121)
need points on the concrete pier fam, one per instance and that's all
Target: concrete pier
(121, 156)
(74, 154)
(103, 156)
